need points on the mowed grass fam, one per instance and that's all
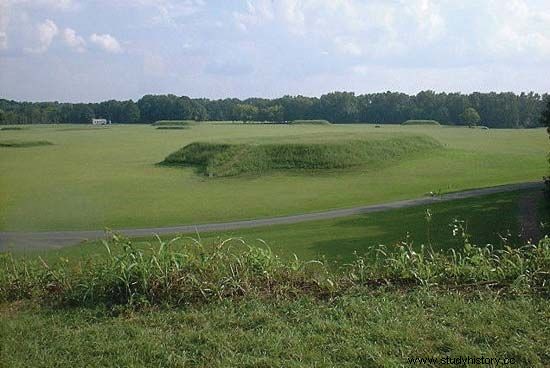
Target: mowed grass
(489, 219)
(96, 177)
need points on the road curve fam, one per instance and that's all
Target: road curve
(57, 239)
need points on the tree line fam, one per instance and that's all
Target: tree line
(495, 110)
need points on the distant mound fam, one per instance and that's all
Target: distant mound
(312, 122)
(21, 144)
(12, 128)
(421, 122)
(222, 159)
(177, 127)
(186, 123)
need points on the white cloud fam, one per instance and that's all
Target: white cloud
(73, 40)
(154, 65)
(167, 12)
(106, 42)
(347, 46)
(4, 20)
(45, 33)
(383, 27)
(518, 28)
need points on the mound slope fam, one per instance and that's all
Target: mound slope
(224, 159)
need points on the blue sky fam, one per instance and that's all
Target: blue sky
(77, 50)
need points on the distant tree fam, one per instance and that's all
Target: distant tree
(545, 121)
(245, 112)
(470, 116)
(129, 112)
(273, 113)
(2, 116)
(545, 116)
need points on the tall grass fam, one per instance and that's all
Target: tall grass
(191, 273)
(220, 159)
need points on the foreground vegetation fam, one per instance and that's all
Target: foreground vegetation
(369, 329)
(220, 159)
(90, 173)
(234, 305)
(192, 273)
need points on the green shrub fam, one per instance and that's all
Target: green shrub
(22, 144)
(420, 122)
(314, 122)
(222, 159)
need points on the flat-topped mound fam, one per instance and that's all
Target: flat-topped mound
(176, 127)
(22, 144)
(225, 159)
(311, 122)
(185, 123)
(420, 122)
(12, 128)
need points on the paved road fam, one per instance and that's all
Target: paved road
(58, 239)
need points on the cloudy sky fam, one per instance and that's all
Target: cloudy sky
(78, 50)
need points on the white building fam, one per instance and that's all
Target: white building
(100, 121)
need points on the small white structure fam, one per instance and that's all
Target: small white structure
(100, 122)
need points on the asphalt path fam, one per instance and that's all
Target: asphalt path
(57, 239)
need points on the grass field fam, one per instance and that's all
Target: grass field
(372, 330)
(95, 177)
(196, 307)
(490, 219)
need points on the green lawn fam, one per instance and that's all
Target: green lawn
(380, 329)
(95, 177)
(488, 220)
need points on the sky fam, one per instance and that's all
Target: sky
(80, 51)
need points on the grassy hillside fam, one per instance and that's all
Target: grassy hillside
(221, 159)
(91, 174)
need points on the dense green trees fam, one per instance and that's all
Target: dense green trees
(545, 115)
(496, 110)
(470, 116)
